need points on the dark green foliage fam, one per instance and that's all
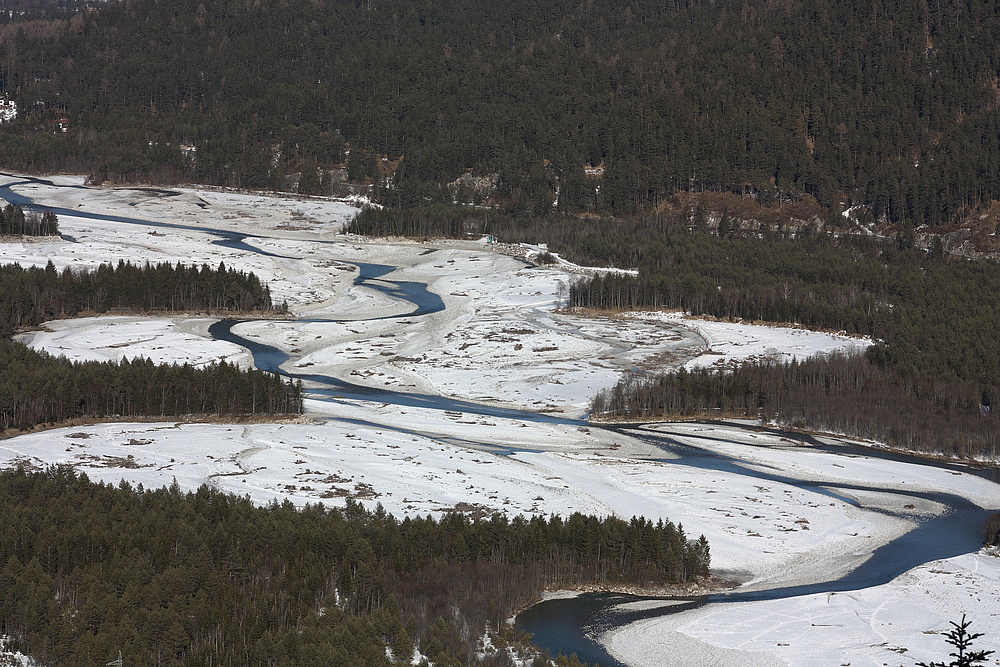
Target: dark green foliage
(960, 637)
(14, 222)
(837, 393)
(934, 317)
(207, 578)
(926, 384)
(30, 296)
(425, 221)
(36, 388)
(31, 10)
(887, 103)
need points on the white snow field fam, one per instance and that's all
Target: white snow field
(727, 343)
(113, 338)
(899, 623)
(500, 343)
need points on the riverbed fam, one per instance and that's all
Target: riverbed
(442, 376)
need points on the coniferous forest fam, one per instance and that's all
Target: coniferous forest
(839, 393)
(546, 111)
(30, 296)
(14, 222)
(932, 314)
(37, 388)
(205, 578)
(599, 127)
(928, 383)
(890, 104)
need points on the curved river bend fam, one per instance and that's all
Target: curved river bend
(571, 625)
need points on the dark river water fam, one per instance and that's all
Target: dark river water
(573, 625)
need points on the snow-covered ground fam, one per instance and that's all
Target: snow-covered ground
(114, 337)
(899, 623)
(500, 342)
(727, 343)
(417, 462)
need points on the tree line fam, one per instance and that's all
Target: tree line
(833, 393)
(202, 578)
(889, 104)
(927, 383)
(14, 222)
(932, 316)
(32, 295)
(38, 388)
(433, 221)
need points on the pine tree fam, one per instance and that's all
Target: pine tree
(960, 637)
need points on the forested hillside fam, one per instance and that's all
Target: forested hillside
(890, 103)
(205, 578)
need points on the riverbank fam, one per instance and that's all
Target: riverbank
(700, 588)
(159, 420)
(695, 589)
(799, 434)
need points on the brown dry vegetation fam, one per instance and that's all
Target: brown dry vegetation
(749, 211)
(972, 235)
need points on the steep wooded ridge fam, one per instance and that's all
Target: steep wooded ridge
(890, 104)
(206, 578)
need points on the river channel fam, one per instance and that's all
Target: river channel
(574, 625)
